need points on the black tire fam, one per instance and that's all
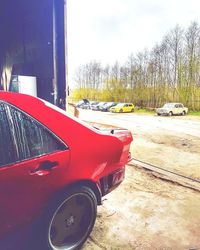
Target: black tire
(158, 114)
(170, 113)
(183, 113)
(121, 110)
(69, 219)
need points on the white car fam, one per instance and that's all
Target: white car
(172, 109)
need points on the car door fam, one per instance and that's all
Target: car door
(176, 109)
(33, 162)
(130, 107)
(181, 108)
(125, 108)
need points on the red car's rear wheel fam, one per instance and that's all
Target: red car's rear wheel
(72, 219)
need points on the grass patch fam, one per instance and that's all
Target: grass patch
(144, 111)
(196, 113)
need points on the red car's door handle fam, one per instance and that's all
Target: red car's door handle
(48, 165)
(44, 167)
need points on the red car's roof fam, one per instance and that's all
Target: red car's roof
(46, 113)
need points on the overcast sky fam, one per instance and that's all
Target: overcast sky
(110, 30)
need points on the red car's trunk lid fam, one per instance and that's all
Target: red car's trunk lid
(124, 135)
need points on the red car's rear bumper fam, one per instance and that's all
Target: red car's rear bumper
(110, 182)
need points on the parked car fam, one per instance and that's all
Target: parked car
(123, 107)
(107, 106)
(85, 105)
(93, 103)
(89, 104)
(97, 106)
(172, 109)
(82, 103)
(54, 170)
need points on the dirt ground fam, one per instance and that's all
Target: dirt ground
(169, 142)
(145, 212)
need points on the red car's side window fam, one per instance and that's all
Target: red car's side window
(7, 146)
(30, 138)
(33, 138)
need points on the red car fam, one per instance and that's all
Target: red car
(54, 169)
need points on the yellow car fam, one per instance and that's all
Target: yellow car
(123, 107)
